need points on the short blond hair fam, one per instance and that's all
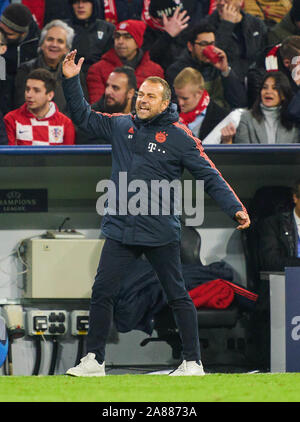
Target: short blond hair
(191, 76)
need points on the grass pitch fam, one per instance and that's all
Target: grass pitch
(152, 388)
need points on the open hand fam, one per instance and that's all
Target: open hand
(176, 23)
(69, 67)
(230, 13)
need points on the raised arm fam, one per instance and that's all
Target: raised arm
(95, 124)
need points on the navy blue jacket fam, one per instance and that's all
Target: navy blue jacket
(137, 149)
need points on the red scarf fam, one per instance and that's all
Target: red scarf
(110, 11)
(189, 117)
(212, 6)
(271, 61)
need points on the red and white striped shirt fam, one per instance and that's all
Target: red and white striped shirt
(23, 128)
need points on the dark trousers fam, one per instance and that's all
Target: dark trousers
(116, 259)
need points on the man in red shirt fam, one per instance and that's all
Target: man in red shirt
(38, 121)
(128, 39)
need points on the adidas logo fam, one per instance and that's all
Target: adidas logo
(131, 133)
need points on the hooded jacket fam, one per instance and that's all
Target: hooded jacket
(93, 36)
(146, 151)
(99, 72)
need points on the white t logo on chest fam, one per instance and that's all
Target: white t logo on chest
(151, 146)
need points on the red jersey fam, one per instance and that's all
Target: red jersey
(23, 128)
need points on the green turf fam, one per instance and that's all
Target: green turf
(152, 388)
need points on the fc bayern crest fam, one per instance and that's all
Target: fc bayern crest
(161, 137)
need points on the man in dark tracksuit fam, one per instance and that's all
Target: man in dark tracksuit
(150, 146)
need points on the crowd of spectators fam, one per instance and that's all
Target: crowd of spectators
(217, 55)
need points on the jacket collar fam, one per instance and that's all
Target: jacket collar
(51, 112)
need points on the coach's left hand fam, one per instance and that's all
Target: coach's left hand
(243, 219)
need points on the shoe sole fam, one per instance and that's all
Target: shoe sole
(186, 375)
(72, 374)
(173, 374)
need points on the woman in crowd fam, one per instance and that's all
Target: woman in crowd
(267, 122)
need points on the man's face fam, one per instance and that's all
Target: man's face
(36, 97)
(13, 37)
(54, 46)
(188, 97)
(221, 3)
(83, 9)
(202, 41)
(116, 93)
(125, 45)
(150, 101)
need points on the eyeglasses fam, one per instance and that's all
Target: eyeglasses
(118, 35)
(205, 43)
